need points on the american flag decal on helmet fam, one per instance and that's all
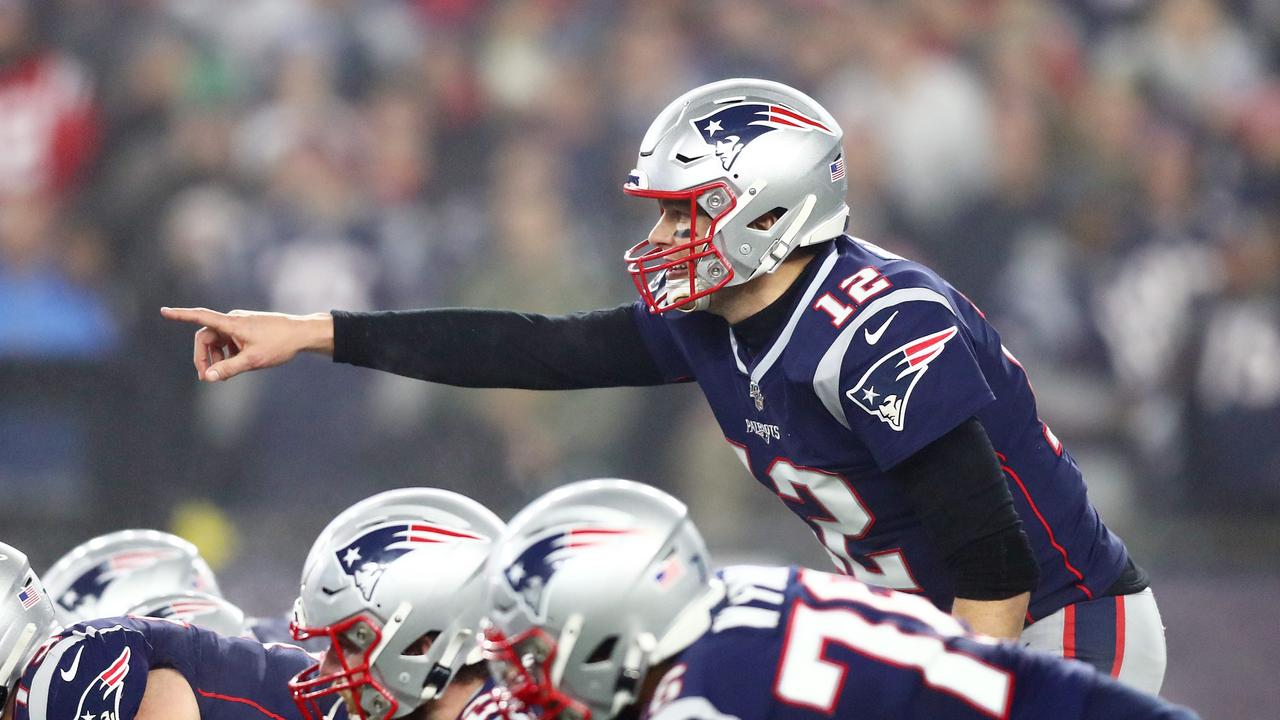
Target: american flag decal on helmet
(837, 169)
(29, 596)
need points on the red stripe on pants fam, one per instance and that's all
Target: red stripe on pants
(1069, 631)
(1115, 667)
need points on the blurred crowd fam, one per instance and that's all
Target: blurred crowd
(1102, 177)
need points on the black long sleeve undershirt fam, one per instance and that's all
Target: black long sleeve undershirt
(499, 348)
(958, 491)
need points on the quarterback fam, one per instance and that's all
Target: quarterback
(868, 394)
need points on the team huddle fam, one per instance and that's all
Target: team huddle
(974, 577)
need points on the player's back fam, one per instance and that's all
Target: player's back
(794, 644)
(100, 668)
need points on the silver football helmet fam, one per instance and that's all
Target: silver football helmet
(196, 608)
(591, 585)
(388, 571)
(737, 150)
(26, 617)
(112, 573)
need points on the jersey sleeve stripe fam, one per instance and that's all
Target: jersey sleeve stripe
(826, 378)
(38, 696)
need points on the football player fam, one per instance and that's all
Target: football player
(872, 397)
(110, 574)
(149, 573)
(392, 585)
(131, 668)
(600, 605)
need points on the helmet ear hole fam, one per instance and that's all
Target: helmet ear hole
(764, 221)
(604, 650)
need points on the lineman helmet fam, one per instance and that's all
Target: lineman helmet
(386, 572)
(592, 584)
(737, 150)
(196, 608)
(26, 617)
(112, 573)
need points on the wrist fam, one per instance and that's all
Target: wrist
(318, 332)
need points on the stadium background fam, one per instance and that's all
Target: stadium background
(1100, 176)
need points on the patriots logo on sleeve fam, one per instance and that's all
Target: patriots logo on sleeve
(101, 700)
(366, 558)
(533, 567)
(731, 128)
(885, 389)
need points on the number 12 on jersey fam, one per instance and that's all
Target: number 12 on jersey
(860, 287)
(837, 515)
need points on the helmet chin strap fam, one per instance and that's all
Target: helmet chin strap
(564, 646)
(634, 665)
(19, 649)
(781, 247)
(442, 671)
(690, 624)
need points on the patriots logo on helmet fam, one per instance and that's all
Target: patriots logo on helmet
(88, 588)
(885, 389)
(529, 573)
(366, 558)
(101, 700)
(731, 128)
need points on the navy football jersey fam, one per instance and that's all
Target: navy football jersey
(99, 669)
(487, 703)
(797, 644)
(879, 358)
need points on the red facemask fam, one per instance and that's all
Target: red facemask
(352, 642)
(647, 262)
(522, 666)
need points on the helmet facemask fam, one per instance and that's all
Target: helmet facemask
(682, 276)
(522, 665)
(355, 643)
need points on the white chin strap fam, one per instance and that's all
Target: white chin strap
(692, 622)
(20, 647)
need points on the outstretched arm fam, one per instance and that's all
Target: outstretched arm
(457, 346)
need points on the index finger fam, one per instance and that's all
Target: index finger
(197, 316)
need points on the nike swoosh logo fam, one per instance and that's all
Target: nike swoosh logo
(70, 673)
(874, 337)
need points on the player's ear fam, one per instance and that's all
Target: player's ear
(423, 644)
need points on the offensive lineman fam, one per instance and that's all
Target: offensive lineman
(131, 668)
(859, 386)
(392, 585)
(600, 605)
